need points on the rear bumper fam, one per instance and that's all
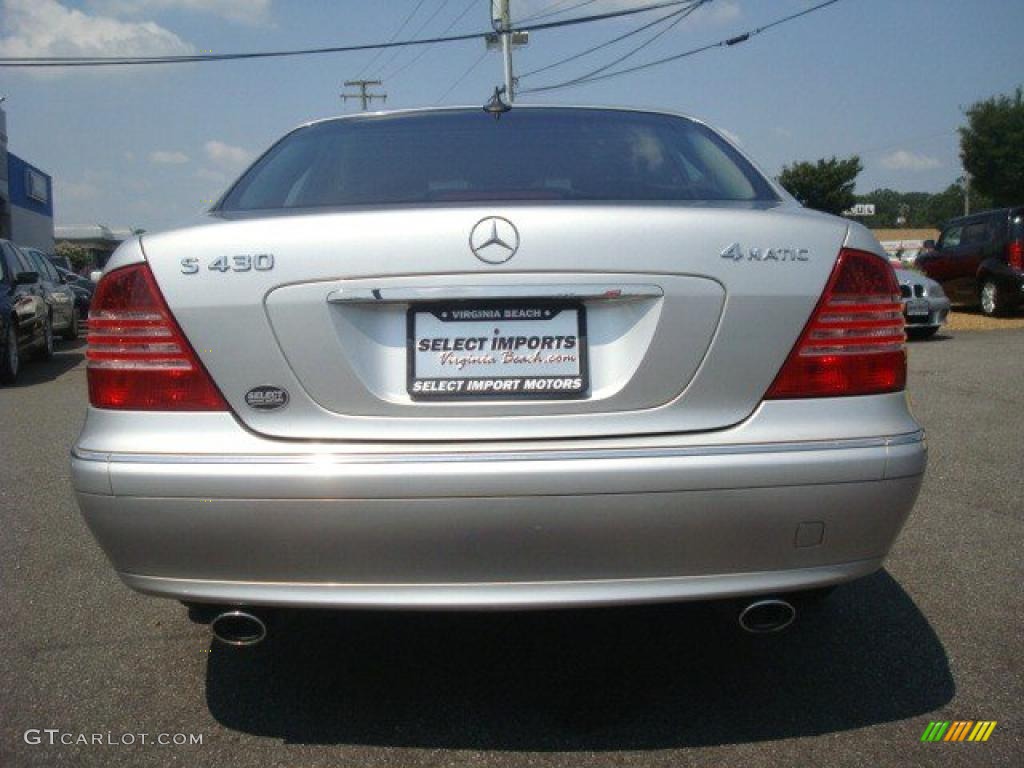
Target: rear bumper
(526, 528)
(500, 595)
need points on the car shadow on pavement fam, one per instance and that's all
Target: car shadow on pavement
(606, 679)
(929, 339)
(64, 359)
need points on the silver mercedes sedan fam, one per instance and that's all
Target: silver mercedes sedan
(925, 304)
(434, 359)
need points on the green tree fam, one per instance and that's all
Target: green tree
(78, 255)
(887, 204)
(918, 209)
(825, 186)
(992, 146)
(945, 205)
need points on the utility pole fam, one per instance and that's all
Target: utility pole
(364, 96)
(501, 19)
(966, 179)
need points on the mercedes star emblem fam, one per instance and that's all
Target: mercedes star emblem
(494, 240)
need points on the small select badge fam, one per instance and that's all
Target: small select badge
(266, 398)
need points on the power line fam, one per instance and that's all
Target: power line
(394, 37)
(607, 43)
(392, 55)
(680, 16)
(96, 61)
(469, 6)
(462, 77)
(556, 9)
(84, 61)
(735, 40)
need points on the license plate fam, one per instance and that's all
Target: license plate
(917, 308)
(497, 350)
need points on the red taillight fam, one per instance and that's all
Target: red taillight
(1015, 254)
(854, 342)
(138, 358)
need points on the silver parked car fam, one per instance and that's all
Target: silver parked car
(59, 297)
(925, 305)
(431, 359)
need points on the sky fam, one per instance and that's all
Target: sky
(152, 147)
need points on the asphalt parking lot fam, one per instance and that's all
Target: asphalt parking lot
(936, 636)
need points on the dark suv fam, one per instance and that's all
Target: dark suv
(980, 258)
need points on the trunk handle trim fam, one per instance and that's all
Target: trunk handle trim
(407, 295)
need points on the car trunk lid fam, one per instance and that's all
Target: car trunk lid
(689, 310)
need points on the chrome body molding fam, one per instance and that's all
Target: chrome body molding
(499, 596)
(598, 454)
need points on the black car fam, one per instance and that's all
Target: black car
(83, 288)
(980, 259)
(60, 262)
(58, 295)
(25, 325)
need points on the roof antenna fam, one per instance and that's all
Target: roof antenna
(497, 105)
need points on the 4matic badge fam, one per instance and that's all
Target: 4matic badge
(736, 252)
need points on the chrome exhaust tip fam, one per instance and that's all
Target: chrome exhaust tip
(763, 616)
(238, 628)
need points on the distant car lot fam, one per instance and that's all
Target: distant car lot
(934, 636)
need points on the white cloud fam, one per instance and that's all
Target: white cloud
(241, 11)
(225, 156)
(168, 157)
(902, 160)
(47, 28)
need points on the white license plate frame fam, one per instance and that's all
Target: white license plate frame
(489, 327)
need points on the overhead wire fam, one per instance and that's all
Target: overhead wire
(461, 77)
(469, 6)
(394, 37)
(614, 40)
(679, 17)
(552, 10)
(555, 10)
(734, 40)
(92, 61)
(392, 55)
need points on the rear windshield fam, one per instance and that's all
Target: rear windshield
(527, 154)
